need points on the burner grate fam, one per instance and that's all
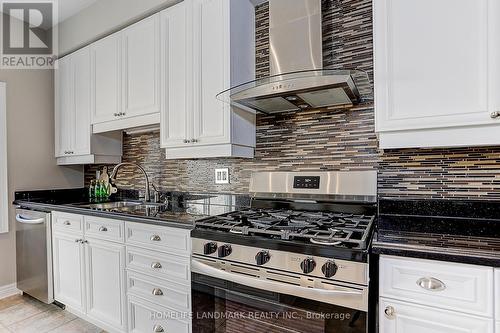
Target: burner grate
(322, 228)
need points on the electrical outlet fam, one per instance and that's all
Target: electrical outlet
(222, 176)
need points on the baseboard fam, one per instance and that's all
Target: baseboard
(9, 290)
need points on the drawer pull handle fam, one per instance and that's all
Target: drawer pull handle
(158, 329)
(103, 229)
(156, 265)
(432, 284)
(157, 292)
(495, 115)
(155, 238)
(67, 223)
(389, 312)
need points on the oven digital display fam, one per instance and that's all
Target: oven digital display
(306, 182)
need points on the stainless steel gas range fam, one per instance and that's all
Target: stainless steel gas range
(295, 261)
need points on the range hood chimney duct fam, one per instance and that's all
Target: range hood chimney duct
(295, 36)
(298, 80)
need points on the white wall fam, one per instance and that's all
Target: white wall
(30, 148)
(102, 18)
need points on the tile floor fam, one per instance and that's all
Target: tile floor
(23, 314)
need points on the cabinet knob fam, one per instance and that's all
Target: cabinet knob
(495, 114)
(67, 223)
(186, 141)
(389, 312)
(155, 238)
(158, 329)
(156, 265)
(431, 284)
(157, 292)
(103, 229)
(194, 140)
(78, 240)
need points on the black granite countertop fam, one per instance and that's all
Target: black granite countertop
(455, 231)
(181, 211)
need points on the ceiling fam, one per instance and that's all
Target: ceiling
(68, 8)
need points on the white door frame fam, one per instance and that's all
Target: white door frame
(4, 189)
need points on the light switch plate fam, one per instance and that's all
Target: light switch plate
(222, 176)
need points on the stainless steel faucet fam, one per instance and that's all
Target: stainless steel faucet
(112, 178)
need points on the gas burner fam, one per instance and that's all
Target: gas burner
(320, 228)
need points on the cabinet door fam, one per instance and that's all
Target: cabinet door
(80, 63)
(141, 67)
(432, 68)
(497, 294)
(105, 263)
(210, 72)
(106, 78)
(63, 108)
(410, 318)
(174, 112)
(68, 258)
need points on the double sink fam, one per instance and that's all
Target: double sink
(125, 205)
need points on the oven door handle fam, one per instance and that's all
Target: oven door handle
(202, 268)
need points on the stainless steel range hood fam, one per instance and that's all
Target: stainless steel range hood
(297, 79)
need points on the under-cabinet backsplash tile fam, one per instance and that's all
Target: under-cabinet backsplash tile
(325, 140)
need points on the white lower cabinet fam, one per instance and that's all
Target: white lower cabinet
(147, 317)
(402, 317)
(418, 295)
(105, 282)
(159, 281)
(497, 296)
(68, 261)
(138, 282)
(89, 275)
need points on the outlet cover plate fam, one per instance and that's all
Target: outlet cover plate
(222, 176)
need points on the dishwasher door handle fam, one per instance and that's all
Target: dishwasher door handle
(21, 219)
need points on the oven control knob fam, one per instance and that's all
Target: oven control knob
(224, 250)
(262, 257)
(308, 265)
(209, 248)
(329, 269)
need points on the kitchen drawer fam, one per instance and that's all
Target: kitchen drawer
(145, 317)
(159, 238)
(464, 288)
(402, 317)
(164, 293)
(497, 295)
(64, 222)
(105, 229)
(159, 265)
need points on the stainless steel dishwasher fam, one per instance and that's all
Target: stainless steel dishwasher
(34, 254)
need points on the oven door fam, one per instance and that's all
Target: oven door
(225, 302)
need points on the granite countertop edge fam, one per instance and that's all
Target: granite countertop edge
(458, 255)
(105, 214)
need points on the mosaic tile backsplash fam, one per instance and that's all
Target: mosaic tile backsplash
(324, 139)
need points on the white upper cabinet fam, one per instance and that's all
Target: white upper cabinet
(126, 78)
(141, 67)
(75, 143)
(174, 115)
(437, 72)
(220, 50)
(80, 67)
(106, 79)
(63, 111)
(211, 53)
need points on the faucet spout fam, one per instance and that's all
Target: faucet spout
(112, 178)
